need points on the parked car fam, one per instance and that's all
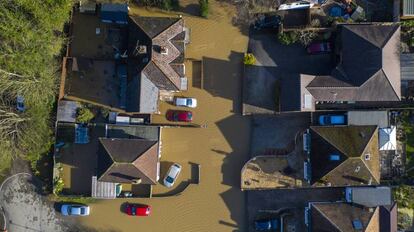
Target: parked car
(186, 102)
(267, 224)
(20, 103)
(172, 175)
(138, 210)
(319, 48)
(74, 210)
(267, 22)
(179, 116)
(332, 119)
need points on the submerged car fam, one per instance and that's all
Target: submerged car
(179, 116)
(186, 102)
(267, 22)
(332, 120)
(74, 210)
(138, 210)
(319, 48)
(172, 175)
(266, 225)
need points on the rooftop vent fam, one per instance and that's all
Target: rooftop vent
(357, 169)
(137, 181)
(362, 134)
(164, 50)
(142, 49)
(367, 156)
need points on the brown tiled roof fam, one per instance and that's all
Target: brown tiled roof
(350, 144)
(125, 160)
(339, 217)
(166, 33)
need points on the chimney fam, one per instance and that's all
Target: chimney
(164, 50)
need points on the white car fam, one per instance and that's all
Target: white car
(186, 102)
(172, 175)
(74, 210)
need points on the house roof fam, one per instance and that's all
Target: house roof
(369, 69)
(388, 218)
(338, 155)
(125, 160)
(371, 196)
(408, 8)
(343, 217)
(165, 44)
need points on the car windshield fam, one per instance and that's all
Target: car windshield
(169, 179)
(189, 102)
(82, 210)
(69, 209)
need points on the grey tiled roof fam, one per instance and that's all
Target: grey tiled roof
(369, 69)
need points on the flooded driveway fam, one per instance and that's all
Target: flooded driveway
(220, 146)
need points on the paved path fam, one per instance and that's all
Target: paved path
(25, 209)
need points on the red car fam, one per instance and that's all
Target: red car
(138, 210)
(319, 47)
(179, 116)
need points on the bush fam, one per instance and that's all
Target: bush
(288, 38)
(203, 8)
(249, 59)
(84, 115)
(305, 37)
(58, 185)
(404, 196)
(404, 220)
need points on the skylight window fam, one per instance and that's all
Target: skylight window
(334, 157)
(357, 224)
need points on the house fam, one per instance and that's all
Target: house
(128, 161)
(343, 156)
(341, 217)
(367, 71)
(124, 63)
(388, 218)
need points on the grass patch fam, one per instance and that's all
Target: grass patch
(79, 200)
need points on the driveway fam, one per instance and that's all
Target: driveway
(276, 132)
(274, 62)
(27, 210)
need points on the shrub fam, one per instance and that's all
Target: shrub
(249, 59)
(203, 8)
(306, 37)
(288, 38)
(84, 115)
(58, 185)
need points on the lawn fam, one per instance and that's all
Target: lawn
(409, 142)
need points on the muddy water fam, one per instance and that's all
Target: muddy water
(221, 147)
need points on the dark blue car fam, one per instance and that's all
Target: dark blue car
(267, 225)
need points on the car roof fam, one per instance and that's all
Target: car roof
(174, 170)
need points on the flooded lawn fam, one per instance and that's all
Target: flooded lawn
(220, 146)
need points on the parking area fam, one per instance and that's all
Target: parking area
(274, 62)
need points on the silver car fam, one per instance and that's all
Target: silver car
(172, 175)
(74, 210)
(186, 102)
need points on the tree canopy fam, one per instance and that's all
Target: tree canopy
(31, 41)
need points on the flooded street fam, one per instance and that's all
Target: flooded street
(220, 146)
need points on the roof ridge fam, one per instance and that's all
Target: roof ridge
(327, 218)
(149, 147)
(177, 20)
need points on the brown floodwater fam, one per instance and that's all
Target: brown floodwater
(221, 146)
